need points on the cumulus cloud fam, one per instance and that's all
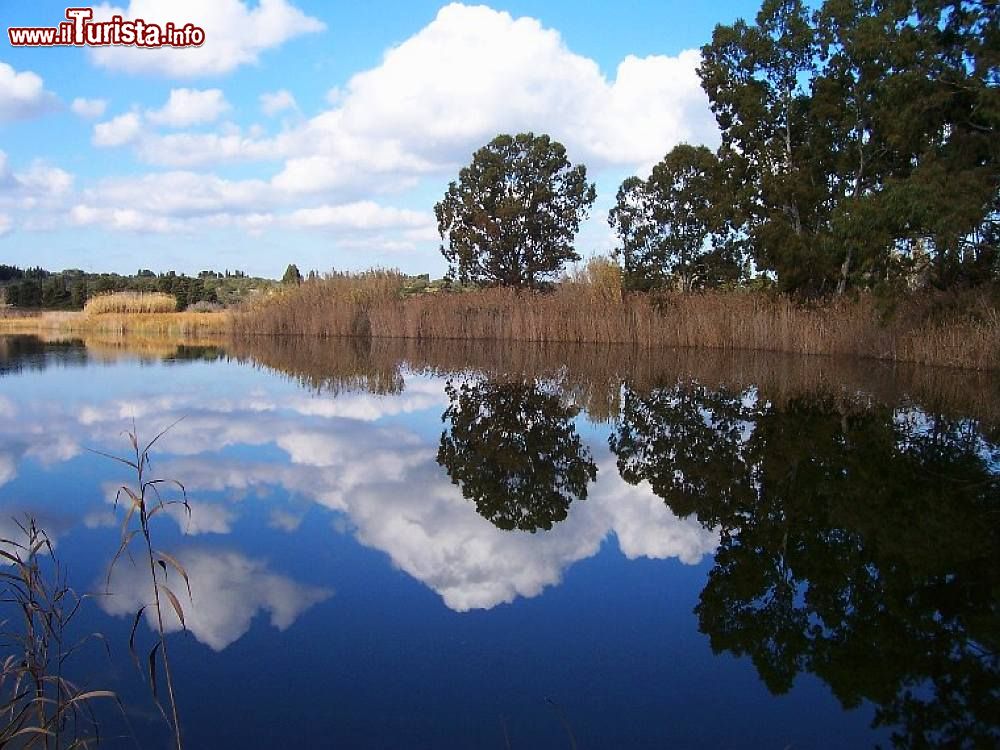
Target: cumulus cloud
(22, 95)
(90, 109)
(187, 107)
(227, 590)
(36, 194)
(117, 131)
(271, 103)
(236, 33)
(185, 200)
(471, 73)
(433, 99)
(474, 72)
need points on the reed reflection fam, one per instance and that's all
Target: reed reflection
(858, 542)
(514, 451)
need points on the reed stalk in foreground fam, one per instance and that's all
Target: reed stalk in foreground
(40, 706)
(144, 502)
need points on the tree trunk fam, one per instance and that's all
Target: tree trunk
(845, 268)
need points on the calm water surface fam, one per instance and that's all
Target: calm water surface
(479, 546)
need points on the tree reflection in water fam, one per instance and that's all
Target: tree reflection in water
(513, 449)
(859, 542)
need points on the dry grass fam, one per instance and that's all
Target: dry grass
(40, 706)
(580, 312)
(130, 303)
(147, 324)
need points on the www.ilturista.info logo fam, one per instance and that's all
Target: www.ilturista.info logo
(80, 29)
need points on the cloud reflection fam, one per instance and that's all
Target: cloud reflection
(227, 590)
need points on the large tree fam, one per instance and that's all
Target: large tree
(512, 216)
(671, 225)
(862, 138)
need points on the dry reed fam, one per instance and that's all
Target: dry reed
(577, 313)
(147, 324)
(40, 706)
(126, 303)
(144, 501)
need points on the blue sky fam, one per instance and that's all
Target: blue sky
(322, 133)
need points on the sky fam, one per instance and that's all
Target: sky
(323, 133)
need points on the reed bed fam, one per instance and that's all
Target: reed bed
(130, 303)
(373, 306)
(147, 324)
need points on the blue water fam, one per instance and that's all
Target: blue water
(346, 594)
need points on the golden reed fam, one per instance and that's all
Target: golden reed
(372, 305)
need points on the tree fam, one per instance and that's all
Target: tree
(292, 275)
(515, 452)
(668, 224)
(757, 80)
(511, 218)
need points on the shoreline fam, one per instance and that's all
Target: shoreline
(720, 321)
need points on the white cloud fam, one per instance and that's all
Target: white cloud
(360, 215)
(42, 178)
(474, 72)
(204, 518)
(118, 218)
(471, 73)
(190, 107)
(271, 103)
(90, 109)
(185, 150)
(227, 590)
(236, 33)
(8, 468)
(22, 95)
(117, 131)
(5, 224)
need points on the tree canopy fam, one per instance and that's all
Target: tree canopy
(512, 216)
(859, 148)
(672, 225)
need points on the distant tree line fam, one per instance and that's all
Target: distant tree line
(860, 148)
(70, 289)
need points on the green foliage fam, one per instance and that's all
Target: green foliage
(292, 275)
(70, 289)
(672, 226)
(861, 135)
(511, 218)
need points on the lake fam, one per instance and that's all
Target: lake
(392, 545)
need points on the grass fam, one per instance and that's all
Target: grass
(130, 303)
(146, 324)
(578, 311)
(41, 707)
